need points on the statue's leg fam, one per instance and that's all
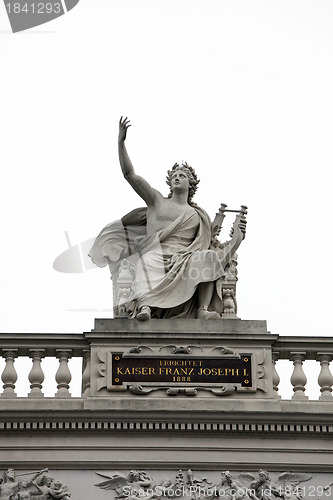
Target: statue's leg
(205, 294)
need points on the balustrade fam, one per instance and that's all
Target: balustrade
(43, 350)
(297, 352)
(303, 352)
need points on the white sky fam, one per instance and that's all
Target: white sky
(241, 89)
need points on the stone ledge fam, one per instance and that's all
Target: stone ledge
(168, 410)
(179, 326)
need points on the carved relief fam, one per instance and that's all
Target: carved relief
(223, 390)
(231, 486)
(180, 349)
(231, 269)
(25, 486)
(229, 301)
(285, 486)
(133, 486)
(122, 289)
(120, 310)
(139, 485)
(225, 350)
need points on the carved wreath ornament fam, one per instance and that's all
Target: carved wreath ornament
(138, 485)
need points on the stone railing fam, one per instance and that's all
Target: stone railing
(37, 347)
(303, 351)
(297, 352)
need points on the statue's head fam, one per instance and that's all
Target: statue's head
(57, 485)
(225, 476)
(133, 475)
(191, 175)
(23, 484)
(263, 474)
(46, 480)
(9, 474)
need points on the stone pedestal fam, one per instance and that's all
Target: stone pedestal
(184, 358)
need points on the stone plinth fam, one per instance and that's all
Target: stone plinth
(178, 327)
(182, 358)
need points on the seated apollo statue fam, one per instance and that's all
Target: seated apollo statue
(178, 272)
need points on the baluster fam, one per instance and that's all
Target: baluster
(9, 374)
(36, 375)
(86, 373)
(325, 379)
(63, 375)
(298, 378)
(276, 377)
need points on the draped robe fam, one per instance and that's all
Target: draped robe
(169, 265)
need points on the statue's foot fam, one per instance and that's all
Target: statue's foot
(203, 313)
(144, 314)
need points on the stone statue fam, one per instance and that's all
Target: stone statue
(25, 493)
(9, 484)
(285, 487)
(45, 484)
(13, 489)
(45, 489)
(137, 485)
(232, 488)
(264, 488)
(59, 491)
(170, 246)
(53, 489)
(236, 486)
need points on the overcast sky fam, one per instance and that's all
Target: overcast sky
(240, 89)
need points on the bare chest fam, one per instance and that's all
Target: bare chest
(165, 212)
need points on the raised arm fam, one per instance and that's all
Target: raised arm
(140, 185)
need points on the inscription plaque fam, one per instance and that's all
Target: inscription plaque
(173, 370)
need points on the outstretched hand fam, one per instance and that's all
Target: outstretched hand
(124, 124)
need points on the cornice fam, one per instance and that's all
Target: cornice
(157, 415)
